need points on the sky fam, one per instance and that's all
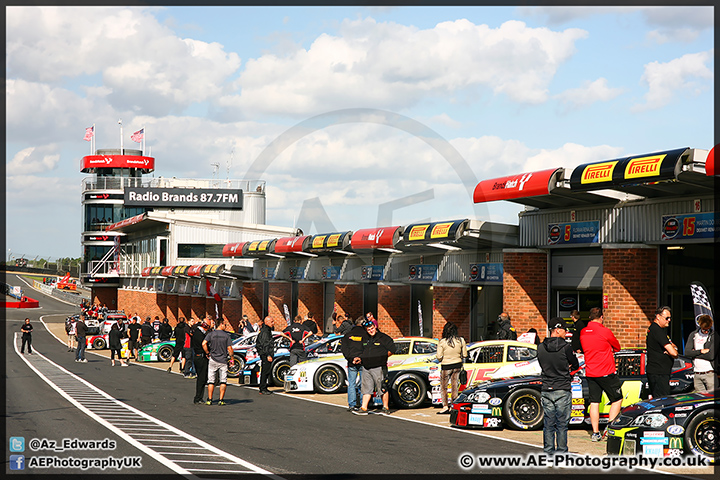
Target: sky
(384, 114)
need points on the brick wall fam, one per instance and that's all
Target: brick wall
(452, 304)
(232, 311)
(171, 308)
(278, 296)
(142, 302)
(630, 283)
(107, 296)
(183, 307)
(310, 300)
(252, 300)
(197, 306)
(349, 299)
(525, 290)
(394, 309)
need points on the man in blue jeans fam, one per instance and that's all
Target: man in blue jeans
(556, 360)
(352, 348)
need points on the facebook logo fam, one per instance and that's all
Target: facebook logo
(17, 462)
(17, 444)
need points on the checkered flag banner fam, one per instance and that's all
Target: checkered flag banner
(701, 302)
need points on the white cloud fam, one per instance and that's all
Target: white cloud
(395, 66)
(570, 156)
(33, 160)
(687, 75)
(589, 93)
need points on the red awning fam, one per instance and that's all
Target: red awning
(127, 221)
(146, 271)
(291, 244)
(515, 186)
(371, 238)
(710, 163)
(91, 162)
(233, 249)
(195, 270)
(167, 271)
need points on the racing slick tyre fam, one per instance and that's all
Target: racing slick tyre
(409, 391)
(702, 435)
(279, 369)
(237, 366)
(165, 353)
(328, 379)
(98, 343)
(523, 410)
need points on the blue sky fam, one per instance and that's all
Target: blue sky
(511, 89)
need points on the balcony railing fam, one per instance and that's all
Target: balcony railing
(120, 183)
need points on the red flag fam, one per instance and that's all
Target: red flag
(138, 136)
(89, 133)
(211, 291)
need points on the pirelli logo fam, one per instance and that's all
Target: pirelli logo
(441, 230)
(333, 240)
(598, 172)
(263, 245)
(318, 241)
(417, 232)
(253, 246)
(644, 167)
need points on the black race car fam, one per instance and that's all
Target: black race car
(515, 402)
(675, 425)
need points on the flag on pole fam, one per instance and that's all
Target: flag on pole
(89, 133)
(701, 301)
(211, 291)
(287, 313)
(138, 136)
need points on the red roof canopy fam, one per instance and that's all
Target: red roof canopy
(291, 244)
(233, 249)
(710, 163)
(167, 271)
(127, 221)
(90, 162)
(195, 271)
(371, 238)
(514, 186)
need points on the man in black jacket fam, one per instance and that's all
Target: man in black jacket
(556, 360)
(352, 348)
(81, 332)
(265, 346)
(376, 351)
(179, 343)
(578, 325)
(201, 360)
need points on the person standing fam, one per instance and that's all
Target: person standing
(701, 348)
(600, 345)
(133, 333)
(187, 365)
(311, 326)
(505, 329)
(81, 329)
(343, 325)
(179, 343)
(166, 330)
(451, 351)
(296, 333)
(557, 360)
(265, 346)
(661, 353)
(578, 325)
(352, 345)
(200, 358)
(26, 330)
(146, 333)
(376, 351)
(70, 329)
(156, 328)
(115, 344)
(218, 347)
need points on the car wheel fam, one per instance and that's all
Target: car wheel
(279, 369)
(98, 343)
(409, 391)
(523, 410)
(165, 353)
(237, 366)
(329, 379)
(702, 435)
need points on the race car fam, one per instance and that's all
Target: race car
(162, 350)
(329, 374)
(111, 318)
(412, 384)
(244, 351)
(669, 426)
(515, 402)
(281, 361)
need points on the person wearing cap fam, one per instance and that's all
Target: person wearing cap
(599, 345)
(376, 351)
(557, 360)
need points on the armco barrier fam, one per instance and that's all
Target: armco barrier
(24, 302)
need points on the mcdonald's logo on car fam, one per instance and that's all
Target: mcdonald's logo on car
(676, 442)
(497, 412)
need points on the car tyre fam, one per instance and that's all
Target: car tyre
(237, 366)
(279, 369)
(98, 343)
(165, 353)
(523, 410)
(409, 391)
(329, 379)
(702, 435)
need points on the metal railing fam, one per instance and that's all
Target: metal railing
(120, 183)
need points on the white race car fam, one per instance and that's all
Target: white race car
(329, 374)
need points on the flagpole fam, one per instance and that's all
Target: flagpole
(143, 145)
(121, 137)
(92, 143)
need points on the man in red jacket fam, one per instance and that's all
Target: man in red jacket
(599, 345)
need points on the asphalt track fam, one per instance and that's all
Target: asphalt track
(277, 435)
